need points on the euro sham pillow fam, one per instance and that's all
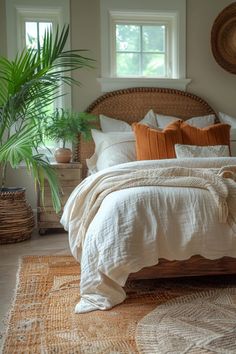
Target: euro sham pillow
(216, 134)
(201, 121)
(152, 144)
(185, 151)
(198, 121)
(111, 149)
(116, 125)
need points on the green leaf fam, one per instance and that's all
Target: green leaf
(29, 84)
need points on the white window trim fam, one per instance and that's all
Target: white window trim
(26, 14)
(107, 80)
(111, 84)
(14, 8)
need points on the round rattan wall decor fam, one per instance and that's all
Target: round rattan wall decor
(223, 38)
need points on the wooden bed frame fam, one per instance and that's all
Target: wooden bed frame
(131, 105)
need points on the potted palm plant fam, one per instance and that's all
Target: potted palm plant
(28, 86)
(64, 126)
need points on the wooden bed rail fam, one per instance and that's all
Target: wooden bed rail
(194, 266)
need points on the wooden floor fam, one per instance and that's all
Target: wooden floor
(50, 243)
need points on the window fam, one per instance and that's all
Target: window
(32, 29)
(18, 12)
(141, 50)
(34, 32)
(143, 44)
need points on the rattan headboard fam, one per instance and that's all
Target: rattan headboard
(132, 104)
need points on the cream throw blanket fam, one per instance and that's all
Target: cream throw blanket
(219, 182)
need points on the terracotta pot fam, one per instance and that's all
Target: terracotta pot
(63, 155)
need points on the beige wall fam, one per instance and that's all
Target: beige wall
(85, 34)
(209, 80)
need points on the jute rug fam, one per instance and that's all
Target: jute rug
(195, 324)
(42, 319)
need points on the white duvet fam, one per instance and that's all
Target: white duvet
(119, 232)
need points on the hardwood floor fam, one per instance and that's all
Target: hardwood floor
(50, 243)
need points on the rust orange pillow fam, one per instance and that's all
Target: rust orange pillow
(216, 134)
(152, 144)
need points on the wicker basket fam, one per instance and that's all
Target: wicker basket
(16, 216)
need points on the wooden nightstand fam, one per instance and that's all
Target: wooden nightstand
(70, 175)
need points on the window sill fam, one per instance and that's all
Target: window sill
(114, 83)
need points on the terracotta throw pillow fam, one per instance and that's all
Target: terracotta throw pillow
(152, 144)
(216, 134)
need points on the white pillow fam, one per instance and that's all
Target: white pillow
(116, 125)
(199, 122)
(202, 121)
(113, 125)
(163, 120)
(111, 149)
(225, 118)
(183, 151)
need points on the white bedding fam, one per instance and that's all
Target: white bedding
(134, 227)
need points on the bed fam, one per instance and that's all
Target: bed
(131, 105)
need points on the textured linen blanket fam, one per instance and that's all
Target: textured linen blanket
(125, 218)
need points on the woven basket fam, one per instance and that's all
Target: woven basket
(16, 216)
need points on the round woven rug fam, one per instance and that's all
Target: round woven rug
(194, 324)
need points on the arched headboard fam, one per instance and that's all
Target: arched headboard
(132, 104)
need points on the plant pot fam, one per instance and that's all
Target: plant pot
(16, 216)
(63, 155)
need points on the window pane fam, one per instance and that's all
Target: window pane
(43, 26)
(127, 38)
(153, 38)
(128, 64)
(31, 34)
(154, 65)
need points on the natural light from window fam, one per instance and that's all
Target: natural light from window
(141, 50)
(34, 32)
(143, 45)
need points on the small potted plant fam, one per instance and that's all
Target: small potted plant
(64, 126)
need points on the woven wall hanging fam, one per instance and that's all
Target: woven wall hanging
(223, 38)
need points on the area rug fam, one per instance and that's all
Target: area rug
(195, 324)
(42, 318)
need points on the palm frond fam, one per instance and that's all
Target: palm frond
(20, 148)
